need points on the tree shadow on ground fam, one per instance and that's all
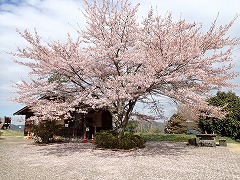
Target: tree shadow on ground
(152, 148)
(65, 149)
(166, 148)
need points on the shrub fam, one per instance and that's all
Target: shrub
(43, 132)
(130, 141)
(225, 127)
(132, 126)
(105, 139)
(109, 139)
(228, 126)
(176, 125)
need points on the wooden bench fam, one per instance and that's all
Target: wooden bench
(206, 140)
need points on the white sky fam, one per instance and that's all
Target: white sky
(55, 18)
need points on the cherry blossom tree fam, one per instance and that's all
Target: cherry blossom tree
(116, 62)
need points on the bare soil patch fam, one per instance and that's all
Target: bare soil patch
(234, 147)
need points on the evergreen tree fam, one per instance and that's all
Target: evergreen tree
(228, 126)
(176, 125)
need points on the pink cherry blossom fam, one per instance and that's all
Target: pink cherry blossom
(116, 62)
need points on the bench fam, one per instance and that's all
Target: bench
(206, 140)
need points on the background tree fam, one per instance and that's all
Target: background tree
(116, 62)
(132, 126)
(183, 121)
(228, 126)
(176, 125)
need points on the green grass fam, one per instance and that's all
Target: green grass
(167, 137)
(177, 137)
(11, 133)
(229, 140)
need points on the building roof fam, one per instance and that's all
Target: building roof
(23, 111)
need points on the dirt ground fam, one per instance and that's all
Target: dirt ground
(21, 159)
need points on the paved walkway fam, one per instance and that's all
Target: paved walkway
(21, 160)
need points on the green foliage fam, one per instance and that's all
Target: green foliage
(109, 139)
(230, 125)
(229, 101)
(43, 132)
(167, 137)
(131, 126)
(106, 139)
(206, 125)
(176, 125)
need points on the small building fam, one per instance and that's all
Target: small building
(91, 122)
(7, 123)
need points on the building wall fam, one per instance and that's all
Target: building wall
(94, 121)
(60, 122)
(98, 120)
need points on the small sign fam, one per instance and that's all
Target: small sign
(66, 125)
(87, 128)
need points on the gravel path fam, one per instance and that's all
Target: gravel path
(21, 160)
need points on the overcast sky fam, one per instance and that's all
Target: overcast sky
(53, 19)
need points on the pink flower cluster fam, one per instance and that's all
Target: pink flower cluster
(116, 61)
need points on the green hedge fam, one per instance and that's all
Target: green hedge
(109, 139)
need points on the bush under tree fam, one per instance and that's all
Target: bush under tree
(110, 140)
(44, 131)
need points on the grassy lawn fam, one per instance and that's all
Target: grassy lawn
(11, 133)
(167, 137)
(229, 140)
(178, 137)
(233, 145)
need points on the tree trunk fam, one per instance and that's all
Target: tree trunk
(123, 118)
(120, 131)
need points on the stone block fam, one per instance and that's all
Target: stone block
(192, 141)
(222, 142)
